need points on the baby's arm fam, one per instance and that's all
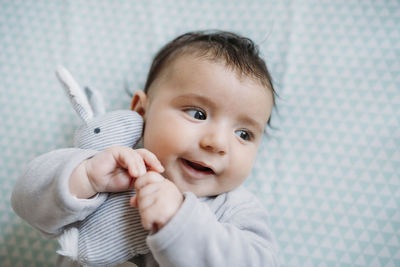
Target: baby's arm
(41, 196)
(52, 192)
(236, 233)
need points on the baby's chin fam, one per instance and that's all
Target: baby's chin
(200, 190)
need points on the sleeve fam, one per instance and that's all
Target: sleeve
(41, 194)
(194, 237)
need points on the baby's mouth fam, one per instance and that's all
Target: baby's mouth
(198, 167)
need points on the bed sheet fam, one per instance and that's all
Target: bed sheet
(329, 169)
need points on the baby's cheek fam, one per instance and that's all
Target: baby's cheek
(244, 164)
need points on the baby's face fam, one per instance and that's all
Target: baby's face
(205, 124)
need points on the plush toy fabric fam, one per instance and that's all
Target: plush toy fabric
(90, 242)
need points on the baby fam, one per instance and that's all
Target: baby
(205, 105)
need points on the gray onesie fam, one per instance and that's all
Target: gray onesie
(230, 229)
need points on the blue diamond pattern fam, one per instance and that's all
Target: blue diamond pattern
(329, 169)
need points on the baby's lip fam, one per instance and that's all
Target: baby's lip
(199, 166)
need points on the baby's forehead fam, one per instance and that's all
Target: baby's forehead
(171, 67)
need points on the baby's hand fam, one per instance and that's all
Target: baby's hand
(112, 170)
(157, 199)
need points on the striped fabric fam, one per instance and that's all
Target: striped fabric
(121, 127)
(96, 233)
(85, 114)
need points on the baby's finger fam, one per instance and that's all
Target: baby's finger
(146, 194)
(132, 161)
(149, 178)
(145, 202)
(133, 201)
(137, 167)
(151, 160)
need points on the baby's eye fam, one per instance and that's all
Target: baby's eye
(245, 135)
(197, 114)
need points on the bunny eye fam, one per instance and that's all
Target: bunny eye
(96, 130)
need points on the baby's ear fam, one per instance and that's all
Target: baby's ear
(139, 101)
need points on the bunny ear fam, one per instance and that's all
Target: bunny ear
(96, 101)
(76, 94)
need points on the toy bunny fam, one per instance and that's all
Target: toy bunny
(90, 242)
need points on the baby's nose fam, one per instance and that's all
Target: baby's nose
(215, 141)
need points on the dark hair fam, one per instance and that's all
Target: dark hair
(237, 51)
